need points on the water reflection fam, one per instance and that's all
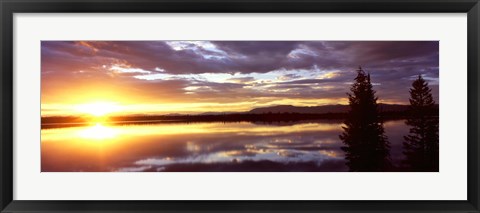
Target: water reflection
(98, 131)
(243, 146)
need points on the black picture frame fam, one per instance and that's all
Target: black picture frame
(9, 7)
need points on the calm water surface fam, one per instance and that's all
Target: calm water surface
(216, 146)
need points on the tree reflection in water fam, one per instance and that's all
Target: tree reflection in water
(242, 147)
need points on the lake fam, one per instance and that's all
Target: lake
(204, 147)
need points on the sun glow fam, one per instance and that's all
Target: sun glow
(98, 108)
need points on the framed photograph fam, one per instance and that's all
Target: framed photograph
(239, 106)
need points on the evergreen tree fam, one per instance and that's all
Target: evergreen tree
(421, 145)
(367, 147)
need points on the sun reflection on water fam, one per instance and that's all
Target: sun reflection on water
(98, 132)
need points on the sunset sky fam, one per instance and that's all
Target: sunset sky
(161, 77)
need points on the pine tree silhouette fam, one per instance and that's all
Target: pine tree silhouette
(367, 147)
(421, 145)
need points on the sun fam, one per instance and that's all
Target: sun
(98, 108)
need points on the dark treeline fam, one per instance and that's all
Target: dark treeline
(59, 121)
(367, 148)
(137, 119)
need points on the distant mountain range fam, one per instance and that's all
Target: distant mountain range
(264, 114)
(323, 109)
(338, 108)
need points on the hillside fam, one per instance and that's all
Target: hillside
(323, 109)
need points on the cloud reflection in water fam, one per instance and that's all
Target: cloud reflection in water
(243, 146)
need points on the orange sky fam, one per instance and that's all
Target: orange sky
(162, 77)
